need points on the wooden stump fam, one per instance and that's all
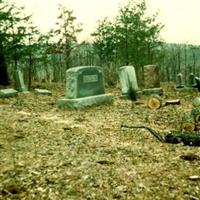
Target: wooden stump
(154, 102)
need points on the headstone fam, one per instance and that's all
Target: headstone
(191, 80)
(128, 79)
(84, 87)
(5, 93)
(20, 86)
(179, 81)
(43, 91)
(151, 76)
(84, 81)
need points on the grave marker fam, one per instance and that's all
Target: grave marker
(127, 79)
(84, 87)
(179, 81)
(84, 81)
(43, 91)
(9, 92)
(151, 76)
(191, 80)
(20, 86)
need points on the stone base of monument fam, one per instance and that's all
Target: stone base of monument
(126, 96)
(152, 91)
(43, 91)
(85, 101)
(5, 93)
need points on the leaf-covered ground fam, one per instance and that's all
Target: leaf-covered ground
(50, 153)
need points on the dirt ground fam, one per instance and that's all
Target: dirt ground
(52, 153)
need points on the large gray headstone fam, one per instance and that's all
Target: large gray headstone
(84, 81)
(127, 77)
(84, 87)
(20, 86)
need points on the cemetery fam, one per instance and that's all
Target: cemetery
(47, 145)
(115, 118)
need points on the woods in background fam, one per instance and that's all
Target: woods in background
(131, 38)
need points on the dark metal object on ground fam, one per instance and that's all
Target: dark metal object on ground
(187, 138)
(153, 132)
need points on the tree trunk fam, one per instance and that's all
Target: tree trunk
(4, 80)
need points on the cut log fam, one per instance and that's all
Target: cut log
(188, 123)
(154, 102)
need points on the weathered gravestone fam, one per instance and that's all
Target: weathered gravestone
(152, 80)
(151, 76)
(191, 80)
(20, 86)
(179, 81)
(85, 87)
(127, 79)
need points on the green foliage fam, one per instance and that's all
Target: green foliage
(15, 30)
(132, 38)
(65, 33)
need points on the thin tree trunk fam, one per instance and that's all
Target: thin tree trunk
(4, 80)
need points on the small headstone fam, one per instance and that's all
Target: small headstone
(20, 86)
(151, 76)
(179, 81)
(85, 87)
(5, 93)
(191, 80)
(43, 91)
(127, 77)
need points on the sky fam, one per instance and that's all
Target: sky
(181, 18)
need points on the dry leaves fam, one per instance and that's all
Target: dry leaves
(48, 153)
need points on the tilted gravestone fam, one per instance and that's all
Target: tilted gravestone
(85, 87)
(127, 79)
(20, 86)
